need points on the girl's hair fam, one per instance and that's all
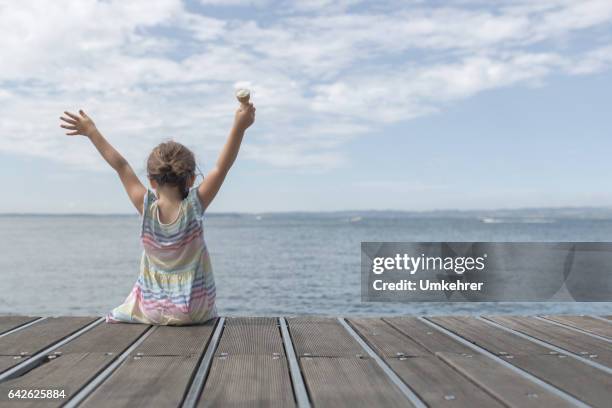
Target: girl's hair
(171, 163)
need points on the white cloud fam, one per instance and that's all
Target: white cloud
(593, 61)
(321, 72)
(233, 3)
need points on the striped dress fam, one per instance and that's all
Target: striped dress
(175, 285)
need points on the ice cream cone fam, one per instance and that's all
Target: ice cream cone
(243, 95)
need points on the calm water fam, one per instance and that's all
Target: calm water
(276, 265)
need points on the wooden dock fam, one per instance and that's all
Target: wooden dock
(446, 361)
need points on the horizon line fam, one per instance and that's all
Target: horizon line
(388, 210)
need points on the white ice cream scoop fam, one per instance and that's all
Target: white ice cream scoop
(243, 95)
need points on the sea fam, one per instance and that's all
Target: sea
(273, 264)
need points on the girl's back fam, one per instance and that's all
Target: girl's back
(175, 285)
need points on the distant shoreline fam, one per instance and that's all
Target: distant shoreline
(540, 213)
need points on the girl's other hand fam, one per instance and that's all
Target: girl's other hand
(245, 116)
(80, 125)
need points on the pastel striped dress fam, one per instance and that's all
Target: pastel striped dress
(175, 285)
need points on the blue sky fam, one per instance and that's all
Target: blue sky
(360, 105)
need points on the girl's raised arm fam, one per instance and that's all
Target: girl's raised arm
(207, 190)
(83, 125)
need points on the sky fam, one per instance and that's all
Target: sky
(407, 105)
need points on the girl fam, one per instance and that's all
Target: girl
(175, 285)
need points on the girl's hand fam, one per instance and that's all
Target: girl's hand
(80, 125)
(245, 116)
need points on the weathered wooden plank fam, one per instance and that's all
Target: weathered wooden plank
(586, 383)
(565, 338)
(7, 362)
(148, 381)
(426, 336)
(177, 340)
(349, 382)
(10, 322)
(437, 383)
(583, 381)
(495, 340)
(248, 380)
(385, 339)
(251, 335)
(68, 372)
(321, 336)
(158, 372)
(105, 338)
(36, 337)
(79, 361)
(586, 323)
(506, 385)
(251, 321)
(250, 368)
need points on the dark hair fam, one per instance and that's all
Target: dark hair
(171, 163)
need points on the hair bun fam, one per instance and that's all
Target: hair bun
(172, 163)
(165, 168)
